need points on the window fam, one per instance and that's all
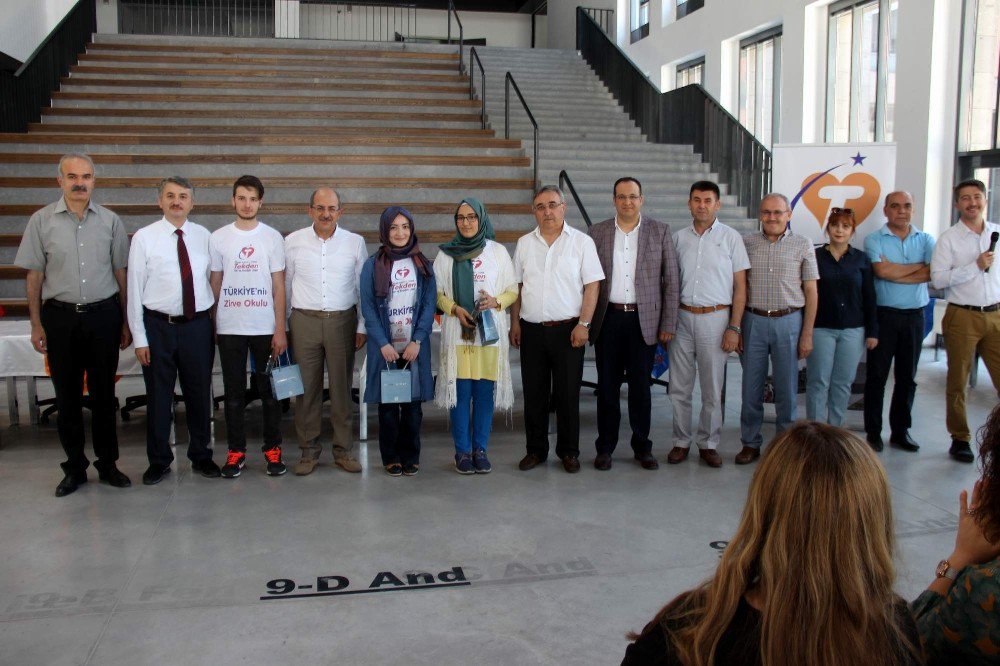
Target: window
(760, 75)
(685, 7)
(639, 19)
(861, 71)
(979, 120)
(690, 72)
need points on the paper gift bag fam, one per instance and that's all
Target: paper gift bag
(396, 385)
(286, 380)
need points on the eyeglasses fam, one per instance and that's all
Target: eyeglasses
(769, 213)
(628, 197)
(845, 211)
(462, 219)
(325, 209)
(552, 205)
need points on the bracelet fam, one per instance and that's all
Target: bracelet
(735, 329)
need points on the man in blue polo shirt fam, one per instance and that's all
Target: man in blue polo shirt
(901, 257)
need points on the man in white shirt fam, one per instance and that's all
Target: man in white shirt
(961, 265)
(713, 271)
(169, 306)
(322, 271)
(248, 280)
(559, 274)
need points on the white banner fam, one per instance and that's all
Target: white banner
(818, 177)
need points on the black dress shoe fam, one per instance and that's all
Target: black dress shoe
(571, 464)
(961, 451)
(70, 483)
(603, 462)
(647, 461)
(875, 441)
(529, 461)
(207, 468)
(154, 474)
(903, 441)
(113, 477)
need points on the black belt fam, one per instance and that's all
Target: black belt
(175, 319)
(773, 313)
(624, 307)
(902, 311)
(978, 308)
(104, 304)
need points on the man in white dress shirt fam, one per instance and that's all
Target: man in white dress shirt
(169, 307)
(322, 268)
(559, 274)
(961, 265)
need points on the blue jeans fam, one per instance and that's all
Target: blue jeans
(777, 338)
(830, 371)
(475, 404)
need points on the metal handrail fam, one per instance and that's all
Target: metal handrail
(473, 56)
(461, 37)
(508, 82)
(566, 184)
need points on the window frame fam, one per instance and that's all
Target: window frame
(689, 65)
(771, 34)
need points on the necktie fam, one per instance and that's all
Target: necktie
(187, 279)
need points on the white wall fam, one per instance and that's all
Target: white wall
(926, 76)
(562, 20)
(25, 23)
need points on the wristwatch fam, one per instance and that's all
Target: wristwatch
(945, 570)
(735, 329)
(585, 324)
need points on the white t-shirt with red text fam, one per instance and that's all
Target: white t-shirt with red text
(246, 260)
(402, 297)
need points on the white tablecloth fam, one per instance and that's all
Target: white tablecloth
(19, 359)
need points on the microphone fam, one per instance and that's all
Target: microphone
(994, 237)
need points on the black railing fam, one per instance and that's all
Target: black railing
(566, 185)
(508, 83)
(306, 19)
(688, 115)
(23, 93)
(474, 57)
(604, 18)
(461, 37)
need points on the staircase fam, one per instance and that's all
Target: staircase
(583, 130)
(383, 123)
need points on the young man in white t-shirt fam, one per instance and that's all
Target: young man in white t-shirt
(248, 278)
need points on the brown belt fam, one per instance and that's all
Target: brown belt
(625, 307)
(978, 308)
(561, 322)
(703, 310)
(323, 314)
(773, 313)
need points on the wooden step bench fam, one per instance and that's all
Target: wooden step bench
(217, 98)
(237, 49)
(239, 74)
(189, 158)
(35, 182)
(331, 62)
(151, 210)
(209, 139)
(400, 134)
(167, 112)
(457, 89)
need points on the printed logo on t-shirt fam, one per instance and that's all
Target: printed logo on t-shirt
(402, 273)
(476, 263)
(244, 263)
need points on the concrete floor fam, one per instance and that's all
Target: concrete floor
(556, 567)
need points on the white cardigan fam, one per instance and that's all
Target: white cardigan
(445, 395)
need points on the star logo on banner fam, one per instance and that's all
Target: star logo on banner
(859, 159)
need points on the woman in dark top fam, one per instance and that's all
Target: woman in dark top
(808, 576)
(958, 616)
(845, 321)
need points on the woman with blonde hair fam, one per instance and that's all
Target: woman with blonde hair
(808, 576)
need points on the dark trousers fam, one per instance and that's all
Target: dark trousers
(399, 432)
(551, 369)
(900, 333)
(622, 352)
(77, 343)
(185, 350)
(233, 350)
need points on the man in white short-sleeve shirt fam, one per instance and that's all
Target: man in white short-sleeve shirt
(559, 274)
(248, 279)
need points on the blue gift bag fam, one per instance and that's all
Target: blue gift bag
(397, 385)
(286, 380)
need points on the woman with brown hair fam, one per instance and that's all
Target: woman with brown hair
(808, 576)
(957, 615)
